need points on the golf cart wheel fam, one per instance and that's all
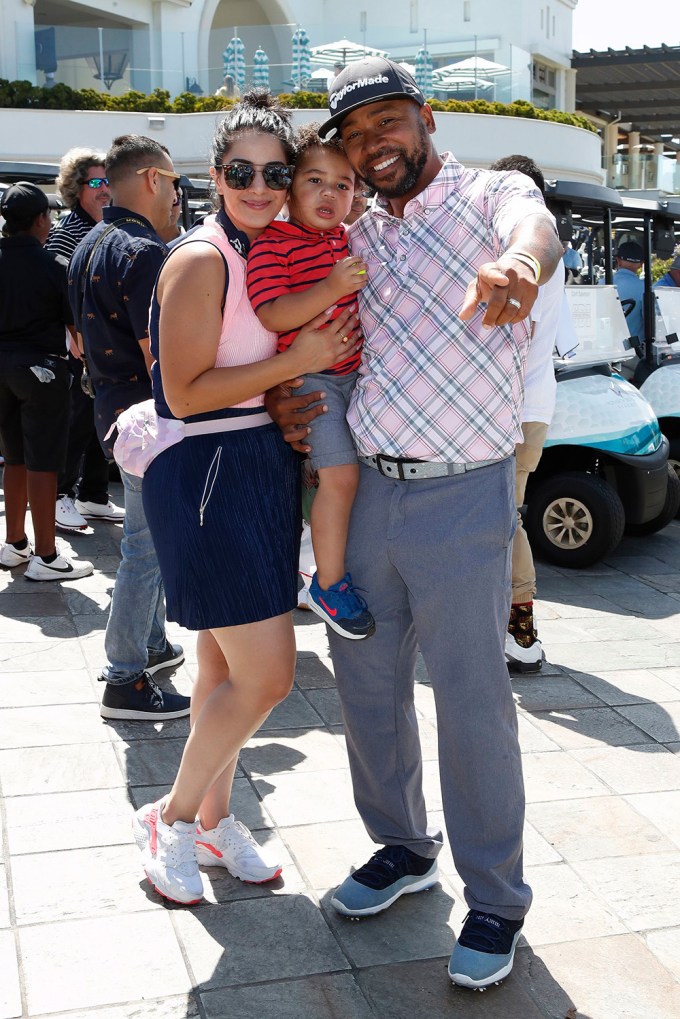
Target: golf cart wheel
(574, 519)
(671, 508)
(674, 460)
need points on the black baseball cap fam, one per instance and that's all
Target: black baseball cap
(630, 251)
(367, 81)
(23, 201)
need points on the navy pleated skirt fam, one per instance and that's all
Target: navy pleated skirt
(224, 514)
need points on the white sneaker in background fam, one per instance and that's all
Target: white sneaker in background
(11, 556)
(63, 568)
(100, 511)
(232, 846)
(67, 516)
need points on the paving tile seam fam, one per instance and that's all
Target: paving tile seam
(11, 909)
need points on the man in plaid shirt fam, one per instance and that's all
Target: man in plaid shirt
(455, 258)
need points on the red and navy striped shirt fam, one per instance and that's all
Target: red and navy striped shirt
(286, 259)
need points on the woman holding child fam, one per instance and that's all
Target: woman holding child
(223, 504)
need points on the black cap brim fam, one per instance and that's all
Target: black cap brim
(329, 127)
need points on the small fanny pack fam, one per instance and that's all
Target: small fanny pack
(142, 434)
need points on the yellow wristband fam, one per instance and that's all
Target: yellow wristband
(527, 259)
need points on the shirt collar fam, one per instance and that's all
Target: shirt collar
(85, 216)
(114, 212)
(436, 192)
(239, 241)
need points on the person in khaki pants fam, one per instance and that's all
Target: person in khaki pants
(523, 649)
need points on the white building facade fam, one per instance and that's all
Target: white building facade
(517, 50)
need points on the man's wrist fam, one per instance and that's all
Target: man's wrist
(527, 259)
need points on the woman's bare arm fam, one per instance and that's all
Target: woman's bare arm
(190, 292)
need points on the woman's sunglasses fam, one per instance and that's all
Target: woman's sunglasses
(97, 182)
(240, 176)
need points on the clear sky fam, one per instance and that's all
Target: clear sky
(599, 24)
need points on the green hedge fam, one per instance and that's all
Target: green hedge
(23, 95)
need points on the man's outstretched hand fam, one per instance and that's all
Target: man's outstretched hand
(293, 413)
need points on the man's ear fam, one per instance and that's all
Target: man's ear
(427, 116)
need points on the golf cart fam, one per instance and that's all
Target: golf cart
(657, 370)
(604, 467)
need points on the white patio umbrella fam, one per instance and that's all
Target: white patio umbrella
(463, 76)
(260, 68)
(320, 79)
(423, 73)
(456, 83)
(302, 63)
(234, 61)
(343, 52)
(477, 65)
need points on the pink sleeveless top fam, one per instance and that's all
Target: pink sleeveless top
(243, 340)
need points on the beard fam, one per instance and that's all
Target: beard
(413, 165)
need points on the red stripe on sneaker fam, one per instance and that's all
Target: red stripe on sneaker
(330, 611)
(211, 849)
(152, 820)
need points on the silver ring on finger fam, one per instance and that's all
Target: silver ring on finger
(514, 302)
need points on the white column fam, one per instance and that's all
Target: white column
(634, 159)
(569, 93)
(610, 140)
(17, 40)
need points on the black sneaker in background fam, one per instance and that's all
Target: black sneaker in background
(142, 701)
(172, 654)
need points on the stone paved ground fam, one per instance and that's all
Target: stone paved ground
(81, 933)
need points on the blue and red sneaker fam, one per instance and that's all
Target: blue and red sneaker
(341, 608)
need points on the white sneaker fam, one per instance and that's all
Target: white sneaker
(100, 511)
(523, 659)
(11, 556)
(63, 568)
(232, 846)
(168, 855)
(67, 516)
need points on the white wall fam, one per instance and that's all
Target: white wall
(560, 150)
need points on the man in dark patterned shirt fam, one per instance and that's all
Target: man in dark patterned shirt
(111, 280)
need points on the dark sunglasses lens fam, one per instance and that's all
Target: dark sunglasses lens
(175, 184)
(238, 176)
(278, 178)
(97, 182)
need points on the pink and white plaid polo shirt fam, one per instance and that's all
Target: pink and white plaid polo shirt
(430, 386)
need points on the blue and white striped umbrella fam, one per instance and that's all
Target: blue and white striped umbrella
(302, 63)
(235, 62)
(423, 73)
(260, 68)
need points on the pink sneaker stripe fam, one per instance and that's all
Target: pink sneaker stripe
(212, 849)
(152, 820)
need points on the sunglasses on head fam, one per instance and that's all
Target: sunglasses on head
(240, 176)
(97, 182)
(176, 177)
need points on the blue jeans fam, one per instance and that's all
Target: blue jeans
(137, 617)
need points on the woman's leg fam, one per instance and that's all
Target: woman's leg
(260, 674)
(213, 670)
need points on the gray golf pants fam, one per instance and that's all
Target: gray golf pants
(432, 558)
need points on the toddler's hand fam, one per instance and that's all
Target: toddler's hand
(348, 276)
